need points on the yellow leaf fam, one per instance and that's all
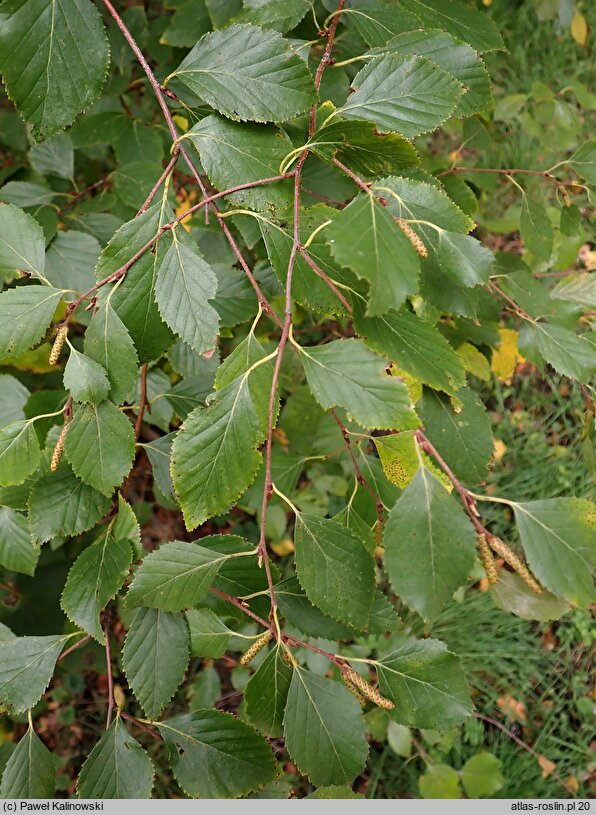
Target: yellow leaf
(512, 708)
(181, 122)
(283, 547)
(500, 448)
(579, 28)
(506, 357)
(414, 386)
(547, 766)
(185, 202)
(400, 461)
(474, 361)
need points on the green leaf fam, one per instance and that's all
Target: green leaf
(359, 145)
(26, 667)
(583, 161)
(155, 657)
(410, 95)
(569, 354)
(184, 285)
(307, 288)
(17, 553)
(86, 380)
(108, 342)
(189, 22)
(175, 576)
(416, 347)
(209, 637)
(308, 619)
(481, 776)
(62, 505)
(427, 684)
(275, 14)
(457, 58)
(365, 238)
(463, 436)
(94, 579)
(133, 299)
(378, 20)
(558, 538)
(19, 452)
(512, 594)
(577, 288)
(267, 692)
(214, 755)
(54, 60)
(536, 229)
(117, 767)
(54, 157)
(461, 21)
(100, 445)
(234, 153)
(25, 314)
(324, 713)
(346, 373)
(70, 261)
(245, 73)
(334, 569)
(429, 545)
(24, 194)
(214, 455)
(29, 772)
(22, 244)
(13, 397)
(440, 781)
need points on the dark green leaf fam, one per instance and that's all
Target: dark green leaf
(25, 314)
(267, 692)
(19, 452)
(29, 772)
(86, 380)
(209, 637)
(26, 667)
(22, 244)
(17, 553)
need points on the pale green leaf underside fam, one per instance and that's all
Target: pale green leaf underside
(26, 667)
(429, 545)
(22, 244)
(17, 553)
(19, 452)
(29, 772)
(25, 314)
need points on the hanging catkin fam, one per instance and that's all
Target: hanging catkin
(487, 559)
(414, 239)
(366, 688)
(58, 449)
(354, 690)
(254, 649)
(58, 343)
(502, 550)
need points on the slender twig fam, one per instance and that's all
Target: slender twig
(142, 402)
(542, 173)
(159, 95)
(106, 632)
(167, 170)
(522, 744)
(141, 725)
(355, 178)
(519, 311)
(287, 324)
(325, 278)
(466, 498)
(74, 647)
(103, 182)
(359, 477)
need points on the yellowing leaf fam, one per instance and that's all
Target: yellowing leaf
(579, 28)
(185, 202)
(400, 462)
(413, 385)
(283, 547)
(512, 708)
(474, 361)
(500, 448)
(506, 357)
(546, 765)
(182, 122)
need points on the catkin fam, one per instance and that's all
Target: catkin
(414, 239)
(254, 649)
(516, 563)
(354, 691)
(487, 559)
(58, 343)
(58, 449)
(366, 689)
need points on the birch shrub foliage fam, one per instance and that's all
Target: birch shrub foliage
(243, 288)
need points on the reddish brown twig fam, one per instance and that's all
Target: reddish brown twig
(74, 647)
(542, 173)
(167, 170)
(355, 178)
(141, 725)
(106, 631)
(142, 402)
